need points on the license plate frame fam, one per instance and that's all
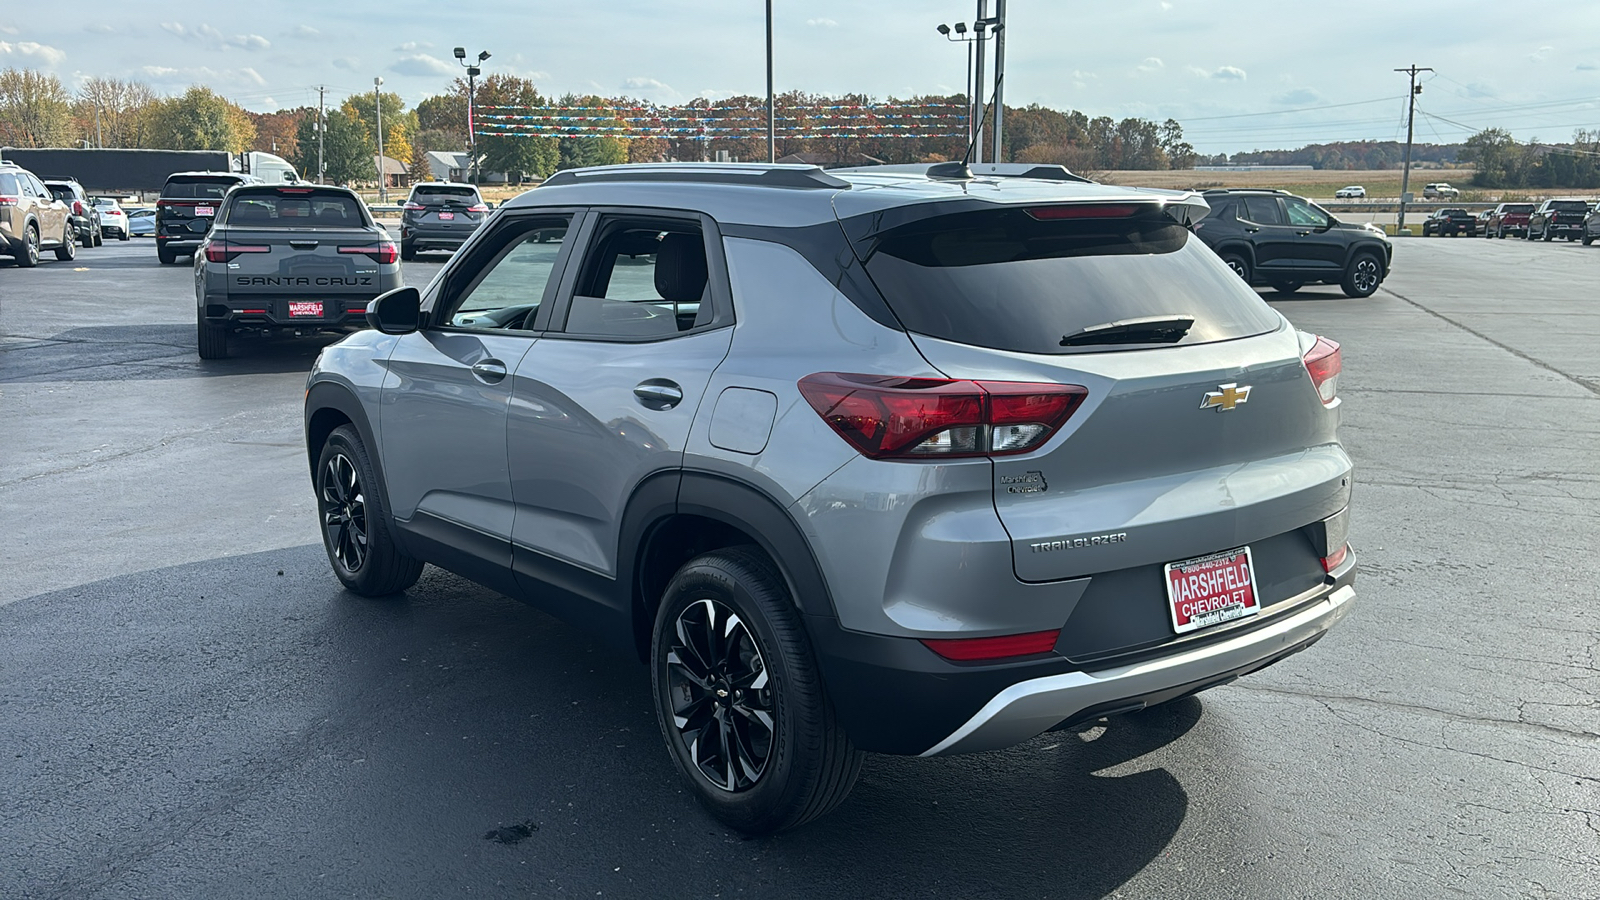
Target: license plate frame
(447, 217)
(1207, 591)
(305, 309)
(205, 210)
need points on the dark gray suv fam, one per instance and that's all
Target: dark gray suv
(905, 462)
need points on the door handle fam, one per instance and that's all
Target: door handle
(1251, 229)
(658, 394)
(1302, 233)
(489, 371)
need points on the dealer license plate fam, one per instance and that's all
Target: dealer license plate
(1212, 589)
(205, 210)
(446, 217)
(310, 309)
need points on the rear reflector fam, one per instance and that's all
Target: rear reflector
(890, 417)
(1003, 647)
(1329, 563)
(1323, 364)
(1080, 211)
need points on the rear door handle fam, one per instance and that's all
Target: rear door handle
(659, 393)
(489, 371)
(1251, 229)
(1302, 233)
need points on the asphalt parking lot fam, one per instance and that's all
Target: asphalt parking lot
(191, 706)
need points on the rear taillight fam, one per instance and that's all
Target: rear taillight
(1003, 647)
(77, 207)
(889, 417)
(479, 208)
(413, 207)
(222, 251)
(384, 252)
(10, 201)
(1322, 362)
(1329, 563)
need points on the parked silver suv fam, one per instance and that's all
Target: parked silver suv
(906, 462)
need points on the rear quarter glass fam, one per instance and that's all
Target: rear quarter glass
(1007, 281)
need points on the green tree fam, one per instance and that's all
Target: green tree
(200, 120)
(346, 150)
(35, 110)
(398, 124)
(1499, 160)
(508, 152)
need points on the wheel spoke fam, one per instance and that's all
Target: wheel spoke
(718, 695)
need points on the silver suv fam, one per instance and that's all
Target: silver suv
(908, 462)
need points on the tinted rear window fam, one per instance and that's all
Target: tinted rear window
(425, 194)
(1518, 208)
(197, 188)
(301, 209)
(1003, 280)
(1569, 206)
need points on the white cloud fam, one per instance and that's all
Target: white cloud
(305, 31)
(158, 71)
(251, 42)
(8, 29)
(421, 64)
(1152, 64)
(412, 46)
(253, 75)
(217, 79)
(1225, 73)
(175, 28)
(1587, 67)
(1299, 97)
(210, 36)
(822, 23)
(1541, 54)
(33, 50)
(647, 84)
(101, 28)
(269, 102)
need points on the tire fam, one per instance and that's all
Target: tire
(99, 237)
(408, 251)
(1363, 276)
(69, 246)
(1502, 233)
(124, 236)
(1547, 235)
(211, 339)
(725, 626)
(29, 256)
(1588, 239)
(1287, 287)
(166, 256)
(1239, 265)
(355, 524)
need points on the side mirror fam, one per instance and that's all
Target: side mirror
(397, 312)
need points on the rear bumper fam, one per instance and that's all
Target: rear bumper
(436, 238)
(273, 312)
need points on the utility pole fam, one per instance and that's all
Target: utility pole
(977, 83)
(383, 178)
(999, 76)
(1411, 118)
(772, 112)
(322, 126)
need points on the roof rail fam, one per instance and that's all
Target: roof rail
(752, 174)
(955, 170)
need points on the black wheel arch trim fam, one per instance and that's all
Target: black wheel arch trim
(330, 395)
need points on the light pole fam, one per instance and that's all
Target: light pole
(974, 103)
(472, 137)
(377, 105)
(772, 113)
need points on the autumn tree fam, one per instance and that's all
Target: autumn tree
(35, 110)
(398, 124)
(279, 132)
(110, 112)
(200, 120)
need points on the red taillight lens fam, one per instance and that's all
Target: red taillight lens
(1096, 211)
(1003, 647)
(384, 252)
(77, 207)
(889, 417)
(1329, 563)
(1322, 362)
(10, 201)
(222, 251)
(480, 208)
(413, 207)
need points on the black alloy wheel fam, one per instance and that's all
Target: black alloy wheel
(344, 513)
(1238, 264)
(722, 695)
(1363, 277)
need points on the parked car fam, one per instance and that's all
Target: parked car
(1449, 222)
(32, 219)
(439, 216)
(85, 217)
(1277, 239)
(1510, 218)
(1481, 222)
(1354, 191)
(1439, 191)
(762, 429)
(113, 220)
(1558, 218)
(189, 201)
(142, 222)
(289, 259)
(1591, 226)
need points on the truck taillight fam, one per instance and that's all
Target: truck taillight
(222, 251)
(384, 252)
(1323, 364)
(891, 417)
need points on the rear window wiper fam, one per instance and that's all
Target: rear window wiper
(1144, 330)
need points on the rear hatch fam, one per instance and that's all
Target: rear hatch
(446, 209)
(1201, 430)
(188, 205)
(300, 244)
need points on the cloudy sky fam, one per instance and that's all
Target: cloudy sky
(1239, 74)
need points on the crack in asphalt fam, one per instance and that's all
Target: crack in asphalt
(1446, 715)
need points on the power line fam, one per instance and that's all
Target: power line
(1280, 112)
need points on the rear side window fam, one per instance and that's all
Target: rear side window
(62, 193)
(1262, 210)
(1004, 280)
(642, 279)
(8, 184)
(301, 209)
(197, 187)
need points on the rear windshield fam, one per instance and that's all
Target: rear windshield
(443, 194)
(61, 193)
(197, 187)
(1569, 206)
(300, 209)
(1518, 208)
(1004, 280)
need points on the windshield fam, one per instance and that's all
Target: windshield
(1008, 281)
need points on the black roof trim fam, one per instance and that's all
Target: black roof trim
(805, 177)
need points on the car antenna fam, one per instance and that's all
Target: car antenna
(960, 169)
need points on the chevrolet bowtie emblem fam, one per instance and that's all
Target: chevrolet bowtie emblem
(1226, 397)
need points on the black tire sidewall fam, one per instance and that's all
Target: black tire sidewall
(1349, 284)
(756, 595)
(1243, 263)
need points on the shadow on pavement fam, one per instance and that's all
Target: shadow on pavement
(149, 352)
